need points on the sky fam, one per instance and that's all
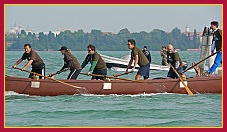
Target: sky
(112, 18)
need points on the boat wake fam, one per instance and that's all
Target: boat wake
(10, 93)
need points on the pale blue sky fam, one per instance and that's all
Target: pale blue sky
(113, 18)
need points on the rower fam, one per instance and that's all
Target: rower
(98, 66)
(174, 59)
(34, 59)
(70, 63)
(139, 58)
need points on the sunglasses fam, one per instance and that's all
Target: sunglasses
(89, 50)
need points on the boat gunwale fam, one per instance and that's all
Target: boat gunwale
(154, 80)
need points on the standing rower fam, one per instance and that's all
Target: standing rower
(174, 59)
(33, 58)
(70, 62)
(98, 66)
(139, 58)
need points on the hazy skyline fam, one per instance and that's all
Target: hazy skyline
(112, 18)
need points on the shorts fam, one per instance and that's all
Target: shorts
(99, 72)
(144, 71)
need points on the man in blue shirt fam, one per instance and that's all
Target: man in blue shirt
(147, 53)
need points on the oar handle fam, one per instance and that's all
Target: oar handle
(187, 89)
(200, 61)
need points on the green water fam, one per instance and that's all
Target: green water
(149, 110)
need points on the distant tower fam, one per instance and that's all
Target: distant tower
(187, 29)
(187, 32)
(19, 29)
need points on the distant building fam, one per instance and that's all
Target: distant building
(107, 33)
(9, 43)
(15, 29)
(191, 34)
(54, 32)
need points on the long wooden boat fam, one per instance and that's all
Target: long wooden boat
(46, 87)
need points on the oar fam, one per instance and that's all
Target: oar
(52, 79)
(187, 89)
(117, 75)
(106, 76)
(58, 72)
(125, 79)
(200, 62)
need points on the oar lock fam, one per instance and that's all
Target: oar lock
(183, 76)
(35, 77)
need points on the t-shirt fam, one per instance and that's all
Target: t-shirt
(95, 57)
(217, 38)
(142, 58)
(37, 61)
(147, 54)
(163, 53)
(75, 64)
(173, 58)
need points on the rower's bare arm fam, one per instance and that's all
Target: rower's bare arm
(129, 64)
(136, 61)
(17, 63)
(27, 65)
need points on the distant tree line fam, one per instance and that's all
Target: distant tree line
(78, 40)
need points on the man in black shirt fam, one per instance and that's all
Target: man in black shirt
(174, 59)
(216, 44)
(33, 58)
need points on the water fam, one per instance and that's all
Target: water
(145, 110)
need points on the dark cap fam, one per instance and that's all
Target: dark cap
(145, 47)
(63, 48)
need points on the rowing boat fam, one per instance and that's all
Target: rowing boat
(46, 87)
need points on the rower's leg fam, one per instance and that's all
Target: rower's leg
(145, 78)
(217, 61)
(137, 77)
(197, 69)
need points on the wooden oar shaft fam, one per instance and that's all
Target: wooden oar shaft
(186, 87)
(106, 76)
(50, 78)
(58, 73)
(200, 62)
(115, 75)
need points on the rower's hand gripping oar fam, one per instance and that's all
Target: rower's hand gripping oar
(58, 72)
(187, 89)
(200, 62)
(51, 78)
(115, 75)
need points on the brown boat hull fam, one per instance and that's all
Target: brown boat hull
(47, 87)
